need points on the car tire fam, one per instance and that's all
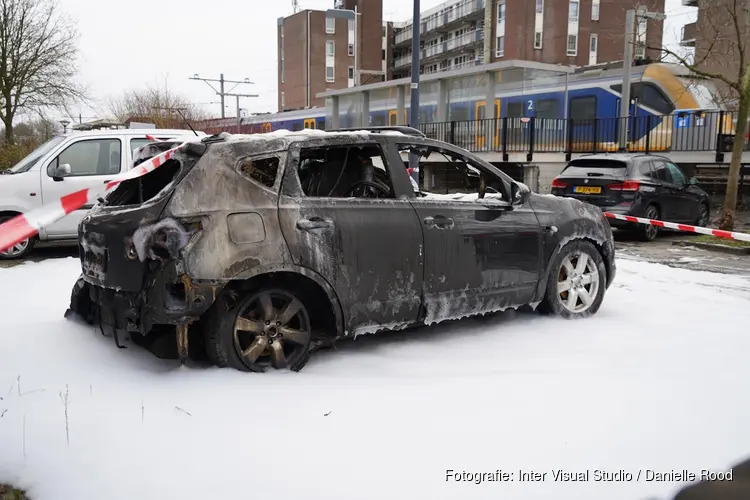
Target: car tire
(21, 250)
(266, 330)
(703, 216)
(592, 280)
(647, 232)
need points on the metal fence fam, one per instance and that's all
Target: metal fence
(683, 131)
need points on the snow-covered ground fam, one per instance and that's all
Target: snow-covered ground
(657, 380)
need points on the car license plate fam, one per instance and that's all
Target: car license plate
(588, 189)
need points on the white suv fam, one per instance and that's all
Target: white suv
(65, 164)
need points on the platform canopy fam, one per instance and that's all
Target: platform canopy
(351, 107)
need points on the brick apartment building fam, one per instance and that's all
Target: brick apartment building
(326, 50)
(317, 48)
(464, 33)
(714, 37)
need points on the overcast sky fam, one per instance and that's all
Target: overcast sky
(129, 45)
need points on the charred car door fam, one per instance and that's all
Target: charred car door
(482, 252)
(344, 218)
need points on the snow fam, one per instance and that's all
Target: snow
(654, 381)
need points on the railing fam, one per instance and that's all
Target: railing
(682, 132)
(446, 16)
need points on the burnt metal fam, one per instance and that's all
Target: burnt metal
(388, 259)
(182, 342)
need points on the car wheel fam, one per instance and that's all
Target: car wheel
(20, 249)
(647, 232)
(267, 328)
(577, 281)
(702, 220)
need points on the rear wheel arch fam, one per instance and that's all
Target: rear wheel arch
(316, 293)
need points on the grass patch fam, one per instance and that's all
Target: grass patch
(8, 492)
(704, 238)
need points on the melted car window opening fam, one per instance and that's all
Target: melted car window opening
(344, 172)
(458, 180)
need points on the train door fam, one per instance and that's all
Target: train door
(480, 126)
(584, 129)
(267, 127)
(309, 123)
(392, 118)
(485, 127)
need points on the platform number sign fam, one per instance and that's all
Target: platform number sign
(530, 105)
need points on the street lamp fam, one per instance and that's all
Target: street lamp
(65, 124)
(627, 65)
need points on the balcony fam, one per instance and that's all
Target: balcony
(690, 3)
(688, 35)
(443, 20)
(443, 49)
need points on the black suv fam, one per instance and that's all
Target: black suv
(258, 249)
(640, 185)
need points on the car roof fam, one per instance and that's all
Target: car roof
(290, 137)
(162, 132)
(623, 157)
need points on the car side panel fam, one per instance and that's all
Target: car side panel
(567, 219)
(239, 215)
(369, 250)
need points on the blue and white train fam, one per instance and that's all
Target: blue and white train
(659, 90)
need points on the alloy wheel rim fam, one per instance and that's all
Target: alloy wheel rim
(273, 330)
(703, 217)
(578, 282)
(16, 249)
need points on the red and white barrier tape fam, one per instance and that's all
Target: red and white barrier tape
(682, 227)
(27, 225)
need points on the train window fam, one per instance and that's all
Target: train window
(515, 109)
(548, 108)
(296, 127)
(583, 108)
(459, 113)
(648, 95)
(378, 120)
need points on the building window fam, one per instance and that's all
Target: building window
(593, 47)
(500, 46)
(640, 50)
(351, 25)
(595, 10)
(283, 104)
(329, 74)
(282, 70)
(330, 49)
(501, 12)
(351, 72)
(330, 25)
(383, 55)
(539, 6)
(573, 12)
(351, 49)
(572, 45)
(385, 31)
(538, 40)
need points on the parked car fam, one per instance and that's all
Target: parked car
(62, 165)
(263, 248)
(639, 185)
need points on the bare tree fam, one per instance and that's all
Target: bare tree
(38, 56)
(722, 54)
(157, 105)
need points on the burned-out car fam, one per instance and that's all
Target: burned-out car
(258, 249)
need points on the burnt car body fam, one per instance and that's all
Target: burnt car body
(640, 185)
(266, 247)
